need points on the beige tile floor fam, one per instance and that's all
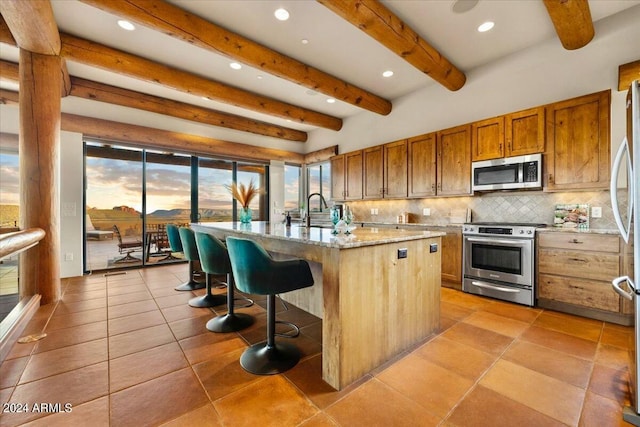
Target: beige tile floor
(127, 350)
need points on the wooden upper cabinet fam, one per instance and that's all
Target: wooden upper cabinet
(524, 132)
(373, 172)
(421, 153)
(353, 175)
(385, 171)
(454, 161)
(338, 177)
(487, 139)
(578, 143)
(395, 169)
(346, 176)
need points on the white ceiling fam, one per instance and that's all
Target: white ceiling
(334, 46)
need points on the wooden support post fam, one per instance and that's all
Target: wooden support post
(39, 148)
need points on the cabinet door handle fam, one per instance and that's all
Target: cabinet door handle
(433, 187)
(577, 260)
(576, 241)
(550, 178)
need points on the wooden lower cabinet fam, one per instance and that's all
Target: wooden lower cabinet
(575, 272)
(451, 270)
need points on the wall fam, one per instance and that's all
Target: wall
(535, 76)
(71, 203)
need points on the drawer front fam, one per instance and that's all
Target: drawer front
(580, 241)
(586, 293)
(586, 265)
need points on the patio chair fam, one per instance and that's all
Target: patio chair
(128, 247)
(163, 247)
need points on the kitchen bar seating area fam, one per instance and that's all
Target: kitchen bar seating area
(127, 350)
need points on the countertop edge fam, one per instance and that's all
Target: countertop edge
(340, 241)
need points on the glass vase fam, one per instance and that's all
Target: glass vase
(245, 215)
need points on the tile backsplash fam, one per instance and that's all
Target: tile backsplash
(516, 206)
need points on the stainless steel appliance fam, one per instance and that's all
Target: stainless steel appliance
(499, 261)
(508, 173)
(628, 221)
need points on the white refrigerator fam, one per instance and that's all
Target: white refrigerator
(628, 221)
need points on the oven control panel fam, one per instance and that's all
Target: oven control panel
(501, 230)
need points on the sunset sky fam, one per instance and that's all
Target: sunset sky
(117, 182)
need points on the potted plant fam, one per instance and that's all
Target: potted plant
(244, 194)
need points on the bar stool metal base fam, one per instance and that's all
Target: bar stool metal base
(191, 285)
(263, 359)
(208, 300)
(230, 322)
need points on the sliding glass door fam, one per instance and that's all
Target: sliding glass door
(167, 201)
(214, 200)
(132, 194)
(113, 220)
(9, 219)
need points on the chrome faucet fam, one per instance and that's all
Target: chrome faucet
(324, 202)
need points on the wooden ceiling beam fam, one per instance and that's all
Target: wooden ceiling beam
(9, 72)
(380, 23)
(627, 73)
(95, 91)
(572, 21)
(9, 97)
(5, 33)
(321, 155)
(117, 61)
(32, 25)
(181, 24)
(146, 137)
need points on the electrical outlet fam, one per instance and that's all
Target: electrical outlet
(374, 211)
(596, 212)
(426, 211)
(433, 247)
(402, 253)
(68, 256)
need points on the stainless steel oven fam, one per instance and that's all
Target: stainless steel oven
(499, 261)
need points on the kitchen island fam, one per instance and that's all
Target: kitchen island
(374, 303)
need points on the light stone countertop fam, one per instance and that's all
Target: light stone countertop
(320, 236)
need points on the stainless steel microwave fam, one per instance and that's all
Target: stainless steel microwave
(508, 173)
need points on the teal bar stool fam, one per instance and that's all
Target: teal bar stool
(214, 259)
(175, 242)
(256, 272)
(188, 239)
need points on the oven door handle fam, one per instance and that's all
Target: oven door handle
(501, 241)
(497, 288)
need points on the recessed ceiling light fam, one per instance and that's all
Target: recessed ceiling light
(259, 77)
(304, 41)
(126, 25)
(462, 6)
(331, 100)
(235, 65)
(486, 26)
(387, 73)
(281, 14)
